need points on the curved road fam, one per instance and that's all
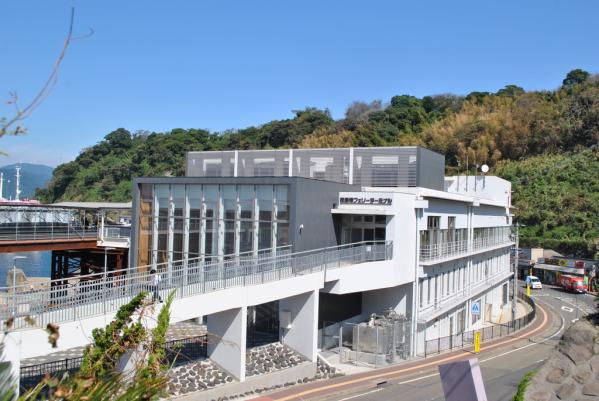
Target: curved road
(503, 362)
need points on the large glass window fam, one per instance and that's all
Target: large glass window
(195, 218)
(358, 228)
(213, 219)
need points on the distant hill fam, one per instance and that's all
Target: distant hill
(33, 176)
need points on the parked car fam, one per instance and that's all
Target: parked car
(534, 282)
(573, 284)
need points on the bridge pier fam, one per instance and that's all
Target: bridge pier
(299, 323)
(227, 340)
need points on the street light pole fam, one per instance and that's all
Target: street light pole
(14, 283)
(106, 261)
(515, 279)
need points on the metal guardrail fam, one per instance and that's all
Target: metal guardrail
(45, 231)
(178, 352)
(466, 339)
(97, 294)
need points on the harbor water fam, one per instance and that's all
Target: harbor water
(36, 264)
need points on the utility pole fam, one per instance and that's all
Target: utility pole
(515, 279)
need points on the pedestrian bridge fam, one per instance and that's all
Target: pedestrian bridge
(71, 299)
(70, 226)
(202, 288)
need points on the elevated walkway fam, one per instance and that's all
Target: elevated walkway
(221, 289)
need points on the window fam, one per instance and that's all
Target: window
(504, 294)
(358, 228)
(428, 293)
(433, 222)
(451, 222)
(420, 293)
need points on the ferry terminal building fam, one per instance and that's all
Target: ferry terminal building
(446, 240)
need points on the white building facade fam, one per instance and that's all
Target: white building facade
(446, 240)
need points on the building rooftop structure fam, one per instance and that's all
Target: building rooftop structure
(407, 166)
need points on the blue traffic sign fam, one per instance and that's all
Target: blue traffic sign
(475, 308)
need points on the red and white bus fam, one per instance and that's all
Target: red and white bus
(573, 283)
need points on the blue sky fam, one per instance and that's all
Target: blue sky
(158, 65)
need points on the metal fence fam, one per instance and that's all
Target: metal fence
(377, 345)
(116, 232)
(466, 339)
(44, 231)
(178, 352)
(96, 294)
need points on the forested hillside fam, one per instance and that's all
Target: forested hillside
(502, 129)
(557, 200)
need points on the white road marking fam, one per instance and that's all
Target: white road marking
(567, 309)
(361, 394)
(416, 379)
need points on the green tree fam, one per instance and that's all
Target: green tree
(575, 77)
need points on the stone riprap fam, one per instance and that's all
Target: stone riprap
(572, 370)
(200, 375)
(269, 358)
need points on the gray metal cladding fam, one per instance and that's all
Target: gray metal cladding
(408, 166)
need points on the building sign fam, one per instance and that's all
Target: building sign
(571, 263)
(365, 200)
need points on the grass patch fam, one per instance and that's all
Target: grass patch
(522, 386)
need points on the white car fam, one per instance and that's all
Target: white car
(534, 282)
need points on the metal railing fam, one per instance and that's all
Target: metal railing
(464, 293)
(178, 352)
(116, 232)
(446, 250)
(466, 339)
(45, 231)
(442, 250)
(97, 294)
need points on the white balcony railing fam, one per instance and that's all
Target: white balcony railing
(485, 238)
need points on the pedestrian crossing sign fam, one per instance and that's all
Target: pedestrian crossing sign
(475, 308)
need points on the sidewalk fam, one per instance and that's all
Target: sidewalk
(333, 357)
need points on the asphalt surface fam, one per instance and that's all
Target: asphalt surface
(502, 367)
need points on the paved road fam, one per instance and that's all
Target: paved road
(502, 368)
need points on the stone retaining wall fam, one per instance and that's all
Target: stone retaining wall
(572, 370)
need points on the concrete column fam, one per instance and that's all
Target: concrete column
(12, 355)
(226, 342)
(302, 334)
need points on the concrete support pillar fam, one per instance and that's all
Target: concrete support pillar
(12, 355)
(301, 311)
(227, 340)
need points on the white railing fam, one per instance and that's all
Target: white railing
(442, 250)
(116, 232)
(463, 294)
(448, 250)
(97, 294)
(45, 231)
